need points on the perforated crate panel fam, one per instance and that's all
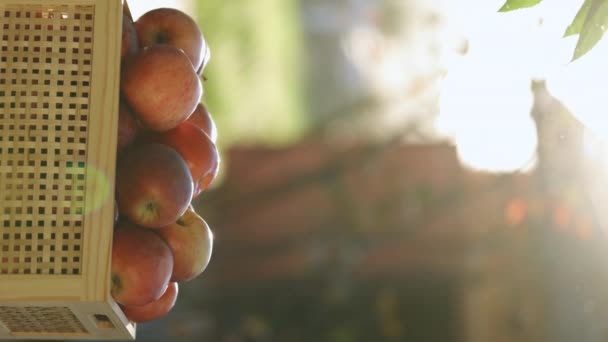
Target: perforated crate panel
(59, 79)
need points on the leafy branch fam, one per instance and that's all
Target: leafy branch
(589, 24)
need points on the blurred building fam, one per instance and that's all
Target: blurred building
(397, 242)
(435, 251)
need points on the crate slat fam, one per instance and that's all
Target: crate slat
(59, 93)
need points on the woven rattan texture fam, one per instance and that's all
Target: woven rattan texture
(34, 319)
(45, 78)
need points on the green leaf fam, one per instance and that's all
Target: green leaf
(511, 5)
(577, 24)
(593, 28)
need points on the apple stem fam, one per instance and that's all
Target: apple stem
(161, 37)
(116, 284)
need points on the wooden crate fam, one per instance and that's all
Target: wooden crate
(59, 91)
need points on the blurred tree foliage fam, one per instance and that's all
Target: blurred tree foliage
(253, 86)
(589, 23)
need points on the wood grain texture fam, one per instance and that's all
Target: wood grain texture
(59, 93)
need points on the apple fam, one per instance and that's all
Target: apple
(115, 212)
(195, 147)
(202, 119)
(142, 264)
(126, 11)
(130, 43)
(154, 310)
(153, 185)
(160, 86)
(172, 27)
(206, 58)
(191, 242)
(128, 127)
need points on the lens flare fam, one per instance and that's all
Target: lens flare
(90, 188)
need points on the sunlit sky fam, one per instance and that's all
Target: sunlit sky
(486, 98)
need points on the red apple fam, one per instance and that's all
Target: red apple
(142, 264)
(206, 58)
(130, 43)
(202, 119)
(154, 310)
(160, 86)
(128, 127)
(173, 27)
(115, 212)
(153, 185)
(126, 11)
(197, 149)
(191, 243)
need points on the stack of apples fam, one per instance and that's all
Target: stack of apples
(166, 157)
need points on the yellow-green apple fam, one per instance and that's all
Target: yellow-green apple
(202, 119)
(130, 43)
(172, 27)
(142, 264)
(199, 152)
(160, 86)
(191, 242)
(153, 185)
(154, 310)
(128, 127)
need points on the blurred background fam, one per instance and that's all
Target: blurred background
(399, 170)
